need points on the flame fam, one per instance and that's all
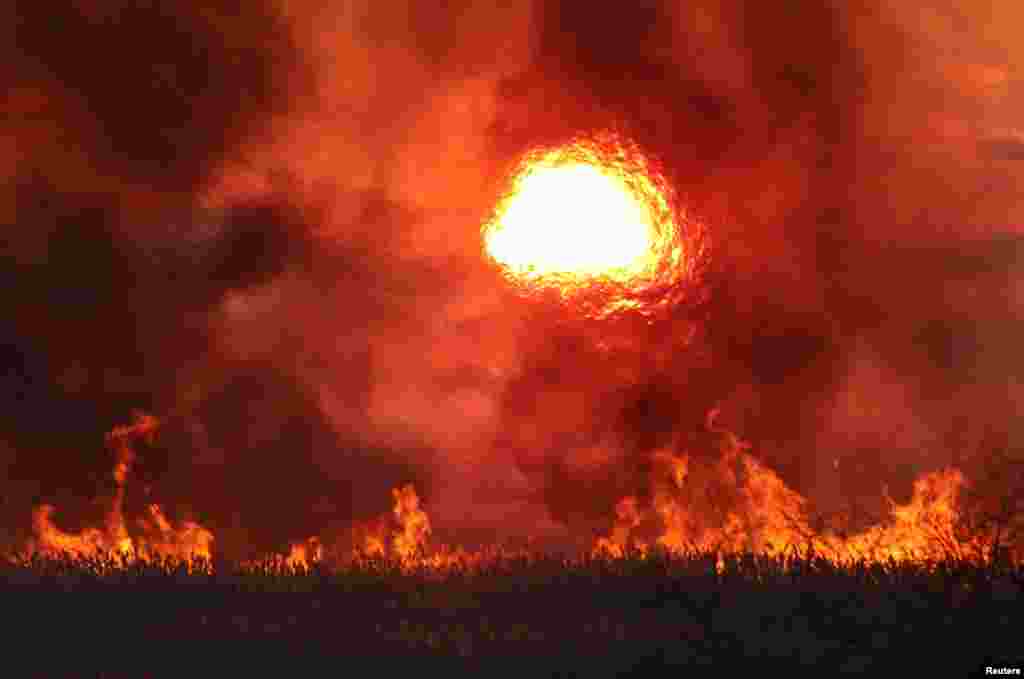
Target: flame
(718, 504)
(413, 522)
(403, 534)
(161, 539)
(52, 540)
(590, 215)
(305, 554)
(925, 527)
(627, 518)
(158, 537)
(735, 505)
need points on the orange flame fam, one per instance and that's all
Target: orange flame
(924, 528)
(158, 539)
(737, 505)
(627, 518)
(403, 535)
(414, 524)
(305, 554)
(51, 540)
(720, 504)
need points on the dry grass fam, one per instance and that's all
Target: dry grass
(592, 612)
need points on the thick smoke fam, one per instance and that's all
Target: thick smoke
(263, 227)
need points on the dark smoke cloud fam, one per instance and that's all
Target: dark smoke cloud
(151, 93)
(261, 224)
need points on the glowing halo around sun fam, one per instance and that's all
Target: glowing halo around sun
(594, 222)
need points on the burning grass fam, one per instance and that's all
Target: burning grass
(719, 563)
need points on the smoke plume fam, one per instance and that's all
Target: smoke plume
(262, 224)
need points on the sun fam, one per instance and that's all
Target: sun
(577, 219)
(594, 221)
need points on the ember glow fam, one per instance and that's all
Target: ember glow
(591, 214)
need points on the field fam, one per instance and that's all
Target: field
(938, 585)
(536, 614)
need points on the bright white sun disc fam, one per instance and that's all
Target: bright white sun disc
(572, 219)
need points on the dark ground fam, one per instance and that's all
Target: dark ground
(627, 618)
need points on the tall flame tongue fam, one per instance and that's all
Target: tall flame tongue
(589, 219)
(158, 537)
